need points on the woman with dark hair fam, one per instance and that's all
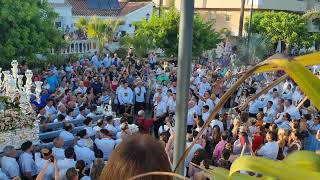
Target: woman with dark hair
(198, 157)
(136, 155)
(81, 168)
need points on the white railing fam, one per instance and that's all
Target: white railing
(79, 47)
(88, 46)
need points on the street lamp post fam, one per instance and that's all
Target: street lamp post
(184, 66)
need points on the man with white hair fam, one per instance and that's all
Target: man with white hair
(140, 92)
(9, 165)
(160, 111)
(192, 113)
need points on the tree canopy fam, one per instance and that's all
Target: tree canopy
(104, 30)
(287, 27)
(27, 28)
(163, 32)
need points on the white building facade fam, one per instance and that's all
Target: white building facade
(70, 10)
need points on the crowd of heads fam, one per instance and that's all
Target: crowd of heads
(144, 93)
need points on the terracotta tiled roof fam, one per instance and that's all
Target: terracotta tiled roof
(80, 8)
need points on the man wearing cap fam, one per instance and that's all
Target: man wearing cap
(125, 97)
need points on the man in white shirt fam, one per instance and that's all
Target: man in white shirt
(217, 122)
(111, 127)
(285, 123)
(62, 109)
(204, 86)
(67, 162)
(297, 96)
(171, 104)
(70, 114)
(50, 109)
(278, 119)
(107, 61)
(81, 115)
(206, 100)
(41, 162)
(84, 153)
(274, 99)
(291, 109)
(254, 107)
(192, 114)
(140, 92)
(270, 149)
(205, 113)
(27, 165)
(66, 134)
(159, 92)
(269, 113)
(125, 97)
(9, 164)
(287, 93)
(106, 144)
(57, 150)
(160, 111)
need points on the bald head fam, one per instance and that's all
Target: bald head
(58, 142)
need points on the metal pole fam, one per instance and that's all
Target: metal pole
(184, 66)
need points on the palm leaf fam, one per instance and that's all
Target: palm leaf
(306, 159)
(276, 169)
(305, 60)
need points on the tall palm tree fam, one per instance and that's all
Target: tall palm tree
(243, 2)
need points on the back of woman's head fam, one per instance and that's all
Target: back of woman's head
(72, 174)
(136, 155)
(216, 134)
(199, 156)
(80, 165)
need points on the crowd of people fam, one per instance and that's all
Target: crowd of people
(144, 93)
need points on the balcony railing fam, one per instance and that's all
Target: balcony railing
(80, 47)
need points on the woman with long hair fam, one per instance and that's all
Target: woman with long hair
(136, 155)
